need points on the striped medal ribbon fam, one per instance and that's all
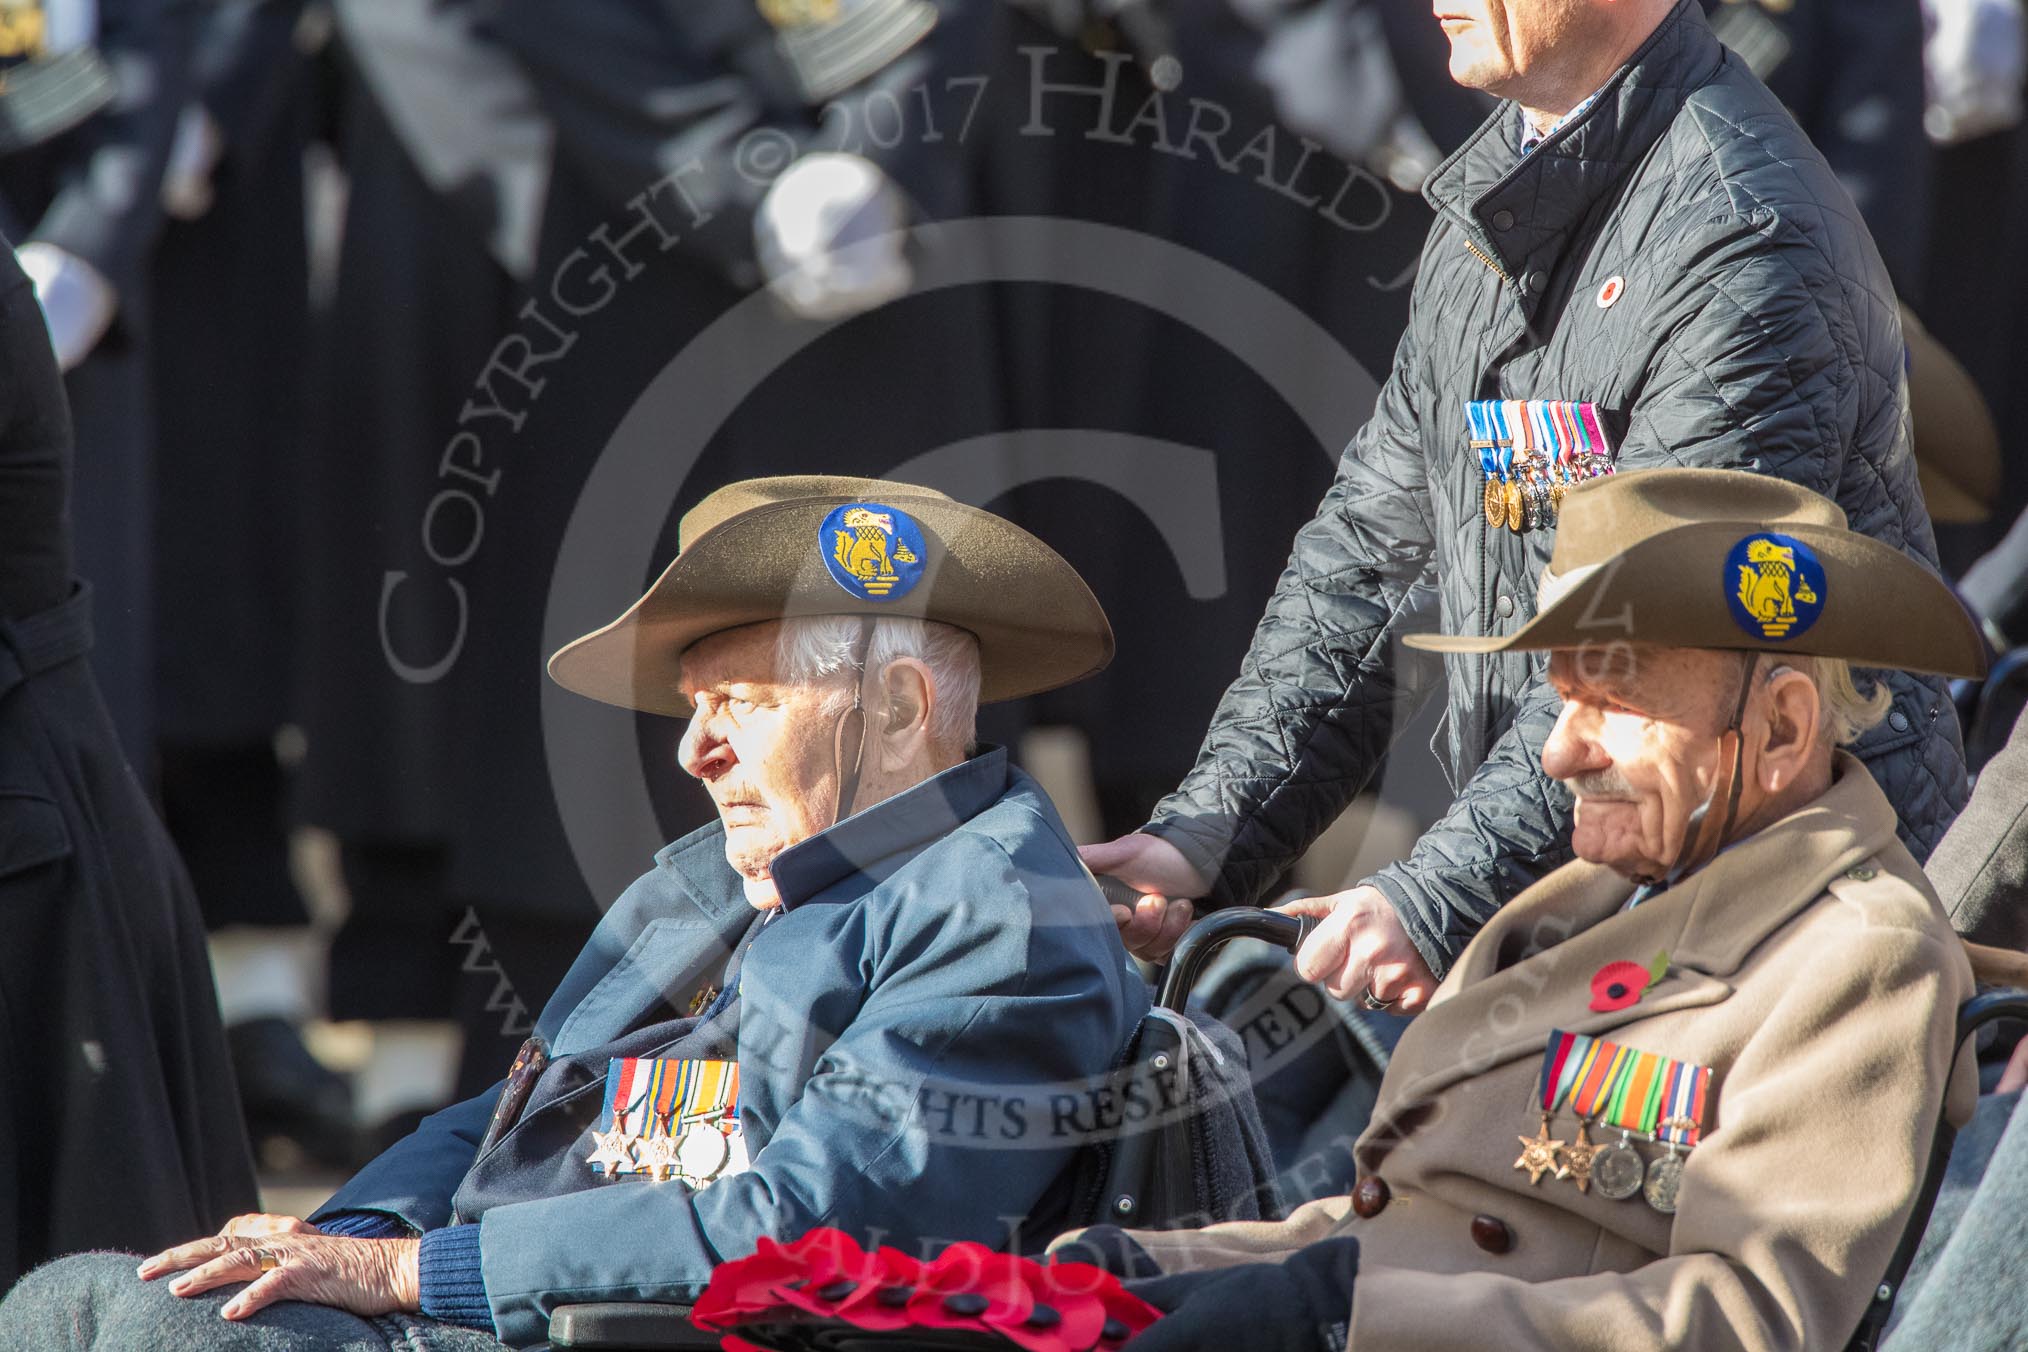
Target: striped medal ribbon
(1531, 451)
(1641, 1093)
(679, 1116)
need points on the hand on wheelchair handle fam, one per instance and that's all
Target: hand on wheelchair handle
(1148, 882)
(1361, 947)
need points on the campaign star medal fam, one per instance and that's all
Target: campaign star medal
(659, 1156)
(615, 1152)
(1538, 1153)
(1577, 1159)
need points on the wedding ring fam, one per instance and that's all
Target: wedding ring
(1371, 1001)
(267, 1259)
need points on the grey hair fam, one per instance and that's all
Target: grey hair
(820, 648)
(1847, 712)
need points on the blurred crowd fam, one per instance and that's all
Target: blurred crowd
(372, 312)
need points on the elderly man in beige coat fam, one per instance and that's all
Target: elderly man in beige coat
(1679, 1093)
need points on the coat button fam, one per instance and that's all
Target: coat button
(1491, 1234)
(1370, 1198)
(1503, 219)
(1538, 282)
(1898, 721)
(1504, 606)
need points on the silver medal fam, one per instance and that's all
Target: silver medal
(1618, 1170)
(702, 1154)
(1665, 1177)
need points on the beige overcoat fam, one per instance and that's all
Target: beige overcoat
(1810, 966)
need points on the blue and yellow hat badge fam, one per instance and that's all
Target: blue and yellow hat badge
(1774, 586)
(873, 551)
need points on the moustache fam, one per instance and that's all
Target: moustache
(1600, 784)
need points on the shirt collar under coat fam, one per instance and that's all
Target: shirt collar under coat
(1549, 191)
(877, 840)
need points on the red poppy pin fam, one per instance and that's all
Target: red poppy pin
(1620, 984)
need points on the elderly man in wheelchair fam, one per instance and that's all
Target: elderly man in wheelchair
(1682, 1092)
(773, 1028)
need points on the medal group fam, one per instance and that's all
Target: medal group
(1531, 451)
(1638, 1093)
(671, 1119)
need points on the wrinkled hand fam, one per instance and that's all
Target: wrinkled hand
(365, 1276)
(1360, 945)
(1164, 879)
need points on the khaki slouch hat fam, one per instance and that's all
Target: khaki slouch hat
(810, 545)
(1705, 558)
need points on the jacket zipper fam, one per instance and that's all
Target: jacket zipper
(1482, 256)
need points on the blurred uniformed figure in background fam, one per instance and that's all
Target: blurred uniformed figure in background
(93, 88)
(228, 362)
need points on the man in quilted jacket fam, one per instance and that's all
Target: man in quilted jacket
(1639, 260)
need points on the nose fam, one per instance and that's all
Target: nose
(704, 754)
(1572, 749)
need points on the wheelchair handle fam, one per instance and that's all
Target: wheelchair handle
(1201, 942)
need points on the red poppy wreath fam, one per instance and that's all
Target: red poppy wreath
(825, 1292)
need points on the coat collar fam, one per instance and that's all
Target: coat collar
(1547, 193)
(1529, 970)
(874, 841)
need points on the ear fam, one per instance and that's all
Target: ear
(1789, 737)
(907, 702)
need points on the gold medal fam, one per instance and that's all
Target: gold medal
(1513, 512)
(1496, 503)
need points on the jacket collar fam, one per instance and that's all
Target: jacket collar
(1551, 190)
(878, 840)
(1529, 970)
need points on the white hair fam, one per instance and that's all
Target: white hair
(820, 648)
(1847, 713)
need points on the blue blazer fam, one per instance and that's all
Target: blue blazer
(921, 1032)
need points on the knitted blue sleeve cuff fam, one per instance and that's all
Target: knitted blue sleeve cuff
(365, 1225)
(453, 1288)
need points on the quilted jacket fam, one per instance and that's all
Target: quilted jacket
(1751, 326)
